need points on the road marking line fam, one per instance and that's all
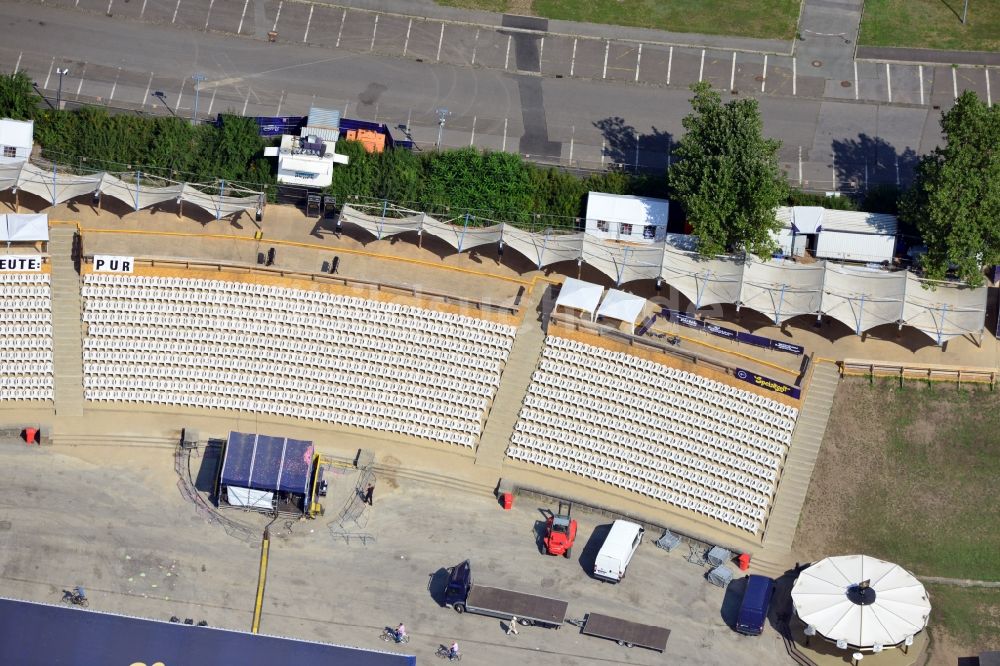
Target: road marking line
(604, 144)
(114, 86)
(277, 16)
(472, 137)
(572, 59)
(503, 148)
(346, 104)
(148, 86)
(855, 81)
(888, 81)
(245, 102)
(670, 63)
(142, 11)
(75, 4)
(701, 67)
(732, 74)
(108, 10)
(795, 76)
(280, 100)
(954, 81)
(305, 37)
(208, 18)
(763, 77)
(541, 53)
(920, 73)
(989, 98)
(406, 42)
(80, 87)
(506, 59)
(371, 47)
(636, 150)
(242, 16)
(607, 49)
(800, 166)
(18, 63)
(343, 20)
(180, 95)
(638, 59)
(440, 42)
(475, 46)
(572, 140)
(212, 102)
(178, 6)
(45, 86)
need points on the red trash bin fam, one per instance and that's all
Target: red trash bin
(743, 561)
(507, 499)
(30, 435)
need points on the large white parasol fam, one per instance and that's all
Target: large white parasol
(863, 601)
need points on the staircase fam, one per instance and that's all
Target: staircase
(67, 330)
(802, 453)
(514, 383)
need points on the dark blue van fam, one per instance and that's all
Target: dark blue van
(753, 608)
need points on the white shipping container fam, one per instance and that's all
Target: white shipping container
(868, 248)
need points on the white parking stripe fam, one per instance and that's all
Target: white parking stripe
(280, 101)
(114, 86)
(954, 81)
(211, 4)
(305, 37)
(638, 59)
(503, 147)
(440, 42)
(246, 103)
(732, 74)
(472, 137)
(239, 30)
(541, 52)
(406, 42)
(795, 76)
(148, 86)
(920, 73)
(18, 63)
(888, 81)
(108, 10)
(572, 59)
(142, 11)
(506, 59)
(45, 86)
(277, 16)
(475, 47)
(211, 103)
(180, 95)
(989, 98)
(701, 68)
(763, 78)
(343, 20)
(855, 81)
(800, 165)
(607, 48)
(371, 47)
(572, 140)
(82, 73)
(178, 6)
(670, 63)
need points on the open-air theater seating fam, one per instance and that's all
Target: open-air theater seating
(673, 435)
(293, 352)
(25, 337)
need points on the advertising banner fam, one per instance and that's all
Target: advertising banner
(769, 384)
(10, 263)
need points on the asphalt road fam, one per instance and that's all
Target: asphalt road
(553, 100)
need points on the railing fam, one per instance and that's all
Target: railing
(324, 278)
(924, 371)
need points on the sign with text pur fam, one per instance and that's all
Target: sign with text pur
(10, 263)
(106, 263)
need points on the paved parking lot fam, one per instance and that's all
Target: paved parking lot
(110, 518)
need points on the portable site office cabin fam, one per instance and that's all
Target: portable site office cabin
(840, 235)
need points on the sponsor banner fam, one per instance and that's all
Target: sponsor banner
(278, 125)
(769, 384)
(721, 332)
(687, 320)
(755, 340)
(11, 263)
(106, 263)
(778, 345)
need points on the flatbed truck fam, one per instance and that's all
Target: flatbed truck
(463, 596)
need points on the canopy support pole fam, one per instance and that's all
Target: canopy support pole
(781, 302)
(545, 244)
(461, 239)
(701, 289)
(381, 222)
(138, 184)
(861, 314)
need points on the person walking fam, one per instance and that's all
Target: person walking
(512, 626)
(369, 492)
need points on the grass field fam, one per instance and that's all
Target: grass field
(769, 19)
(910, 475)
(932, 24)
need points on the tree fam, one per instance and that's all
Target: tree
(17, 98)
(727, 178)
(955, 200)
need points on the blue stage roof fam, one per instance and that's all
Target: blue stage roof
(267, 463)
(34, 634)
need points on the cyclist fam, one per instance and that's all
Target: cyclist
(453, 650)
(400, 633)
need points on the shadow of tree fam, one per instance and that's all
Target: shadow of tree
(867, 161)
(624, 145)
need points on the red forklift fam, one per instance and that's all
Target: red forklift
(560, 531)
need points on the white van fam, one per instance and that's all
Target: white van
(617, 551)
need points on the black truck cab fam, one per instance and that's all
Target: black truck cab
(459, 584)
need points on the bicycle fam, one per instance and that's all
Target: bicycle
(76, 597)
(389, 634)
(444, 652)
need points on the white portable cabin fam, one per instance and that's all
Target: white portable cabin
(627, 218)
(16, 140)
(617, 550)
(840, 235)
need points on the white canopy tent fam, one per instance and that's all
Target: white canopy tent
(579, 295)
(622, 306)
(24, 228)
(862, 600)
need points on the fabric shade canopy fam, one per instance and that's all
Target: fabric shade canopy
(862, 600)
(622, 306)
(16, 228)
(580, 295)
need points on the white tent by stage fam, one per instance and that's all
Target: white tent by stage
(580, 295)
(622, 306)
(24, 228)
(861, 600)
